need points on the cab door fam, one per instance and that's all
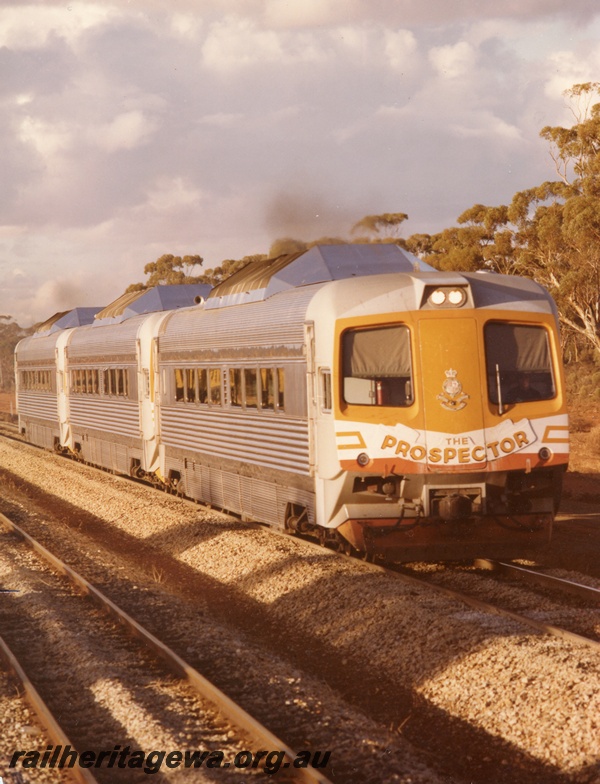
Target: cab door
(452, 394)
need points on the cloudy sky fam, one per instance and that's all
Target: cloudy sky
(133, 128)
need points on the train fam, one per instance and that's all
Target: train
(351, 393)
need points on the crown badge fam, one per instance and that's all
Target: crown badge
(452, 398)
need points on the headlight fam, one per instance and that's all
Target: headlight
(447, 297)
(457, 297)
(437, 297)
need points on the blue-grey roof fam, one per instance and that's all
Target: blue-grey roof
(153, 300)
(261, 279)
(68, 319)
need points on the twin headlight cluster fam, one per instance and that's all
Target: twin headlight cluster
(447, 296)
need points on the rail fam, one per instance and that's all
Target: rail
(227, 708)
(536, 577)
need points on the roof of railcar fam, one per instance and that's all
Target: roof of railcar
(322, 263)
(67, 319)
(153, 300)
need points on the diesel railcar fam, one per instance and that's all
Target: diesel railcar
(350, 392)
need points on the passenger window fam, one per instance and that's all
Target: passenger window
(267, 388)
(214, 378)
(280, 389)
(377, 366)
(235, 387)
(202, 385)
(179, 387)
(518, 363)
(250, 388)
(190, 385)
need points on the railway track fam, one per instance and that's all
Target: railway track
(231, 713)
(528, 575)
(536, 577)
(393, 710)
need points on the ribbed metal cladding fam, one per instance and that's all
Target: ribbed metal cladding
(37, 349)
(38, 405)
(276, 442)
(278, 320)
(106, 341)
(264, 501)
(41, 435)
(106, 414)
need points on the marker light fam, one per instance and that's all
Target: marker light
(363, 459)
(545, 453)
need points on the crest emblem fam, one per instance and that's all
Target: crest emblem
(453, 398)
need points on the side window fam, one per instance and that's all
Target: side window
(377, 366)
(267, 388)
(190, 385)
(202, 385)
(235, 387)
(250, 388)
(179, 385)
(325, 391)
(214, 385)
(280, 389)
(518, 363)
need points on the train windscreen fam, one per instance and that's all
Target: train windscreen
(518, 362)
(377, 366)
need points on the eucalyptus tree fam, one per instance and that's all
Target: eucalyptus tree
(557, 225)
(169, 270)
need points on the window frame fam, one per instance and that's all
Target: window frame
(508, 389)
(378, 380)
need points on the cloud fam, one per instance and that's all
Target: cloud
(222, 119)
(30, 25)
(308, 13)
(400, 49)
(453, 61)
(125, 132)
(236, 43)
(135, 129)
(47, 138)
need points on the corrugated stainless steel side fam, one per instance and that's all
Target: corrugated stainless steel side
(278, 321)
(273, 441)
(255, 498)
(106, 452)
(38, 405)
(41, 435)
(111, 340)
(109, 415)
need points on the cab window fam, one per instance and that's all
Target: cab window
(377, 366)
(518, 363)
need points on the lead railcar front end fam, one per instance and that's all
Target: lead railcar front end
(451, 427)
